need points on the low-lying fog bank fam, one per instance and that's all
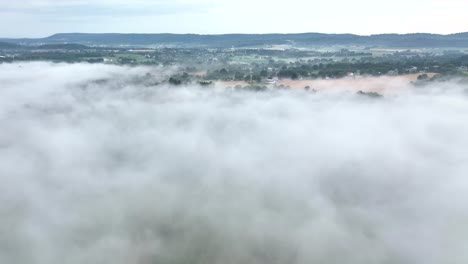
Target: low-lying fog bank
(98, 165)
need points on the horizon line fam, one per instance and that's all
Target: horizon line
(224, 34)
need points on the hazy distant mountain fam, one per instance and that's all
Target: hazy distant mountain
(63, 46)
(5, 45)
(243, 40)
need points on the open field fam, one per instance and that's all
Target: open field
(382, 84)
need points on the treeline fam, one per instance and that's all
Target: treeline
(335, 70)
(244, 40)
(92, 57)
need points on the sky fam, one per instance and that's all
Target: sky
(40, 18)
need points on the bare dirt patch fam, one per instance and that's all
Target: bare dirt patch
(382, 84)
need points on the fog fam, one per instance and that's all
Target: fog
(99, 165)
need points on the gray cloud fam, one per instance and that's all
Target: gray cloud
(81, 9)
(50, 17)
(97, 166)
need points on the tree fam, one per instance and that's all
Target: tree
(175, 81)
(423, 77)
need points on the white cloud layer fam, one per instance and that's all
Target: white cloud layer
(99, 167)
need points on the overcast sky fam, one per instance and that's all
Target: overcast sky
(39, 18)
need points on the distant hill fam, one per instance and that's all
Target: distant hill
(243, 40)
(6, 45)
(63, 47)
(72, 46)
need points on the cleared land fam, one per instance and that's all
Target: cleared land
(382, 84)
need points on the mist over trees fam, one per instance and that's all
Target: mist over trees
(300, 148)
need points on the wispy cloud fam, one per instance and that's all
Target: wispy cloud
(18, 18)
(83, 8)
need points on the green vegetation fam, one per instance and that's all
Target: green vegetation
(258, 65)
(370, 94)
